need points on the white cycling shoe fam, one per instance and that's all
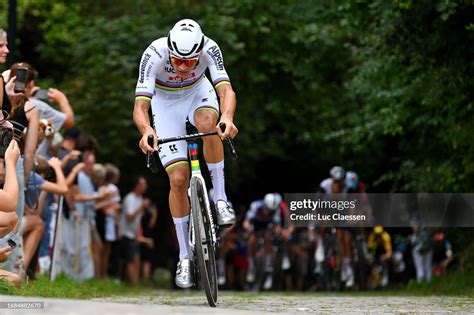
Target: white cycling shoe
(184, 274)
(225, 213)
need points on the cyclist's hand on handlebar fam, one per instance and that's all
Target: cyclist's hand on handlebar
(230, 129)
(143, 144)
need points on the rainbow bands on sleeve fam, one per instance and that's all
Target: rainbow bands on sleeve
(144, 96)
(220, 81)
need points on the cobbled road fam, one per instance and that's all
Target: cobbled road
(192, 302)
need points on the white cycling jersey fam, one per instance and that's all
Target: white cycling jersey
(158, 77)
(175, 99)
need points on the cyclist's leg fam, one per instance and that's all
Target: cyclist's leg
(203, 115)
(169, 121)
(251, 253)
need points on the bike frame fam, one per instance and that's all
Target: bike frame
(193, 150)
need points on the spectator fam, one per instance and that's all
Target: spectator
(109, 215)
(10, 277)
(9, 191)
(78, 262)
(145, 239)
(41, 181)
(422, 251)
(65, 117)
(5, 104)
(98, 179)
(133, 207)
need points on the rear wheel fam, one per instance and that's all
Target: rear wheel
(204, 248)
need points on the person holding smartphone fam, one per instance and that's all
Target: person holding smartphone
(23, 115)
(5, 105)
(64, 117)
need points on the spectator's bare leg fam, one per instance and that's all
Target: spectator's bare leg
(11, 277)
(8, 221)
(33, 231)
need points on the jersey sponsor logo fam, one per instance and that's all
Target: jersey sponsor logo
(170, 70)
(155, 50)
(216, 55)
(148, 71)
(146, 57)
(178, 78)
(173, 148)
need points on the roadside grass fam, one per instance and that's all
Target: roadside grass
(455, 284)
(64, 287)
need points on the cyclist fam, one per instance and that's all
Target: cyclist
(336, 185)
(263, 218)
(442, 254)
(172, 80)
(380, 247)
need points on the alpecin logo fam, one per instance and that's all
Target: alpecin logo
(215, 54)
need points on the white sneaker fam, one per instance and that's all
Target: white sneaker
(285, 264)
(44, 264)
(250, 274)
(267, 285)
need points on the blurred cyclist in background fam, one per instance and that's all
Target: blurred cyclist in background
(442, 254)
(263, 219)
(380, 247)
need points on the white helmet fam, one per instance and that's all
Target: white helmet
(337, 173)
(185, 40)
(272, 200)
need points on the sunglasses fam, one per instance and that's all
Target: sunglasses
(187, 62)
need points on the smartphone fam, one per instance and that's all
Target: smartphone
(42, 94)
(11, 243)
(20, 83)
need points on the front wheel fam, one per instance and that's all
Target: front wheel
(204, 247)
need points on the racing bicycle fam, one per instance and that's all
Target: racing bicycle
(203, 234)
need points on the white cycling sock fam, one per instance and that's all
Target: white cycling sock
(218, 181)
(181, 226)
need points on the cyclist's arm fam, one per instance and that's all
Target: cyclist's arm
(221, 82)
(141, 117)
(250, 215)
(149, 64)
(228, 102)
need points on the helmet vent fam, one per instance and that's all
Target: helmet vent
(186, 29)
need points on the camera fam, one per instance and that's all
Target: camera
(7, 136)
(21, 76)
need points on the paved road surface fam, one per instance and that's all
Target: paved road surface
(177, 303)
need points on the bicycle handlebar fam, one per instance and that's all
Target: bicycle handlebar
(150, 162)
(195, 136)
